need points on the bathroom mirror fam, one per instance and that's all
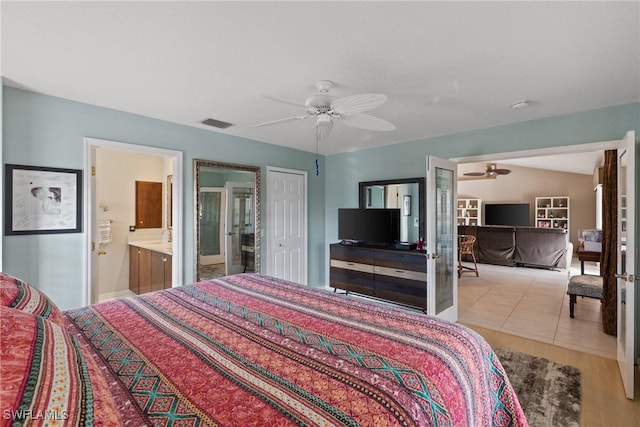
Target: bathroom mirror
(227, 219)
(406, 194)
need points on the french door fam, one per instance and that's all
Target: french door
(442, 239)
(626, 261)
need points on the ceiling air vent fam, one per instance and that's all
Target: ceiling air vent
(216, 123)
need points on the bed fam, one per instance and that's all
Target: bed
(243, 350)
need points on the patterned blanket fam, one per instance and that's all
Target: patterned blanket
(253, 350)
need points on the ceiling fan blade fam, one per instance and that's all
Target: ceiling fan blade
(502, 171)
(285, 120)
(474, 174)
(358, 103)
(366, 121)
(475, 177)
(286, 101)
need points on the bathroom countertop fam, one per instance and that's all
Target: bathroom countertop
(155, 245)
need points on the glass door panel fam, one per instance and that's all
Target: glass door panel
(211, 226)
(240, 227)
(442, 285)
(627, 268)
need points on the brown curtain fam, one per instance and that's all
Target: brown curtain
(609, 242)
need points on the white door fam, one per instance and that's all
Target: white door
(626, 261)
(211, 215)
(287, 222)
(239, 222)
(442, 239)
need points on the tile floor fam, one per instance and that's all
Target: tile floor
(533, 303)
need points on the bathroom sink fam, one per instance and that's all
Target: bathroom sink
(155, 245)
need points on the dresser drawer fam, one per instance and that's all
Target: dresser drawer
(355, 266)
(404, 274)
(402, 260)
(352, 254)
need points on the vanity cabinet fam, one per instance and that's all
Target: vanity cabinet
(160, 271)
(394, 275)
(148, 270)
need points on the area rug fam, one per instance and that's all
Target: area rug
(549, 392)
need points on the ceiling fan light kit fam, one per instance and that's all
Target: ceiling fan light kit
(327, 108)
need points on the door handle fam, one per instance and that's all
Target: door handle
(627, 277)
(230, 233)
(102, 252)
(433, 256)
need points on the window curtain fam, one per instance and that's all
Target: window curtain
(609, 242)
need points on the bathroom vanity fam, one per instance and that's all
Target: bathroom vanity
(149, 266)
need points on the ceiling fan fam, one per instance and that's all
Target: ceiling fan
(491, 171)
(327, 108)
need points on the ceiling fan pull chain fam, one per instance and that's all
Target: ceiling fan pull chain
(317, 165)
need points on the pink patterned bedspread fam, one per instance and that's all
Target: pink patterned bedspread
(253, 350)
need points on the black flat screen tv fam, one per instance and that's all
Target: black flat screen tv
(506, 214)
(369, 226)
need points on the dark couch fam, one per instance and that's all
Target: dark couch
(522, 246)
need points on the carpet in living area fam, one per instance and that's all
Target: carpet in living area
(549, 392)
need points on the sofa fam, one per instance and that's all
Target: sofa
(520, 246)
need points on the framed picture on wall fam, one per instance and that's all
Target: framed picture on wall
(41, 200)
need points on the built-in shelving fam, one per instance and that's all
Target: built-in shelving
(469, 211)
(552, 212)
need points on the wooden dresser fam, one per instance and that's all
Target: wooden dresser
(395, 275)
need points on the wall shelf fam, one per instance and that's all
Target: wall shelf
(469, 211)
(552, 212)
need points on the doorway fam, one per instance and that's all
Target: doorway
(563, 327)
(108, 219)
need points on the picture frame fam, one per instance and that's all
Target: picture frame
(406, 205)
(42, 200)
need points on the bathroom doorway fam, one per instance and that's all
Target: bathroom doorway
(110, 212)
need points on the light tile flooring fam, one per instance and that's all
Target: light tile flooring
(532, 303)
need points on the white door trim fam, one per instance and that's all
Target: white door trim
(549, 151)
(90, 144)
(305, 231)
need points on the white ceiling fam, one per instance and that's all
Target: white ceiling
(446, 66)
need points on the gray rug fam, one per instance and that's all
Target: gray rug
(549, 392)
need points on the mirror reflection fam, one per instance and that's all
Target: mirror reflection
(227, 212)
(406, 194)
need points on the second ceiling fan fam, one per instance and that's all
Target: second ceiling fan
(491, 171)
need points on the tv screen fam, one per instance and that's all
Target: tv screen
(506, 214)
(375, 226)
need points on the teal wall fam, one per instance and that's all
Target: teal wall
(407, 160)
(47, 131)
